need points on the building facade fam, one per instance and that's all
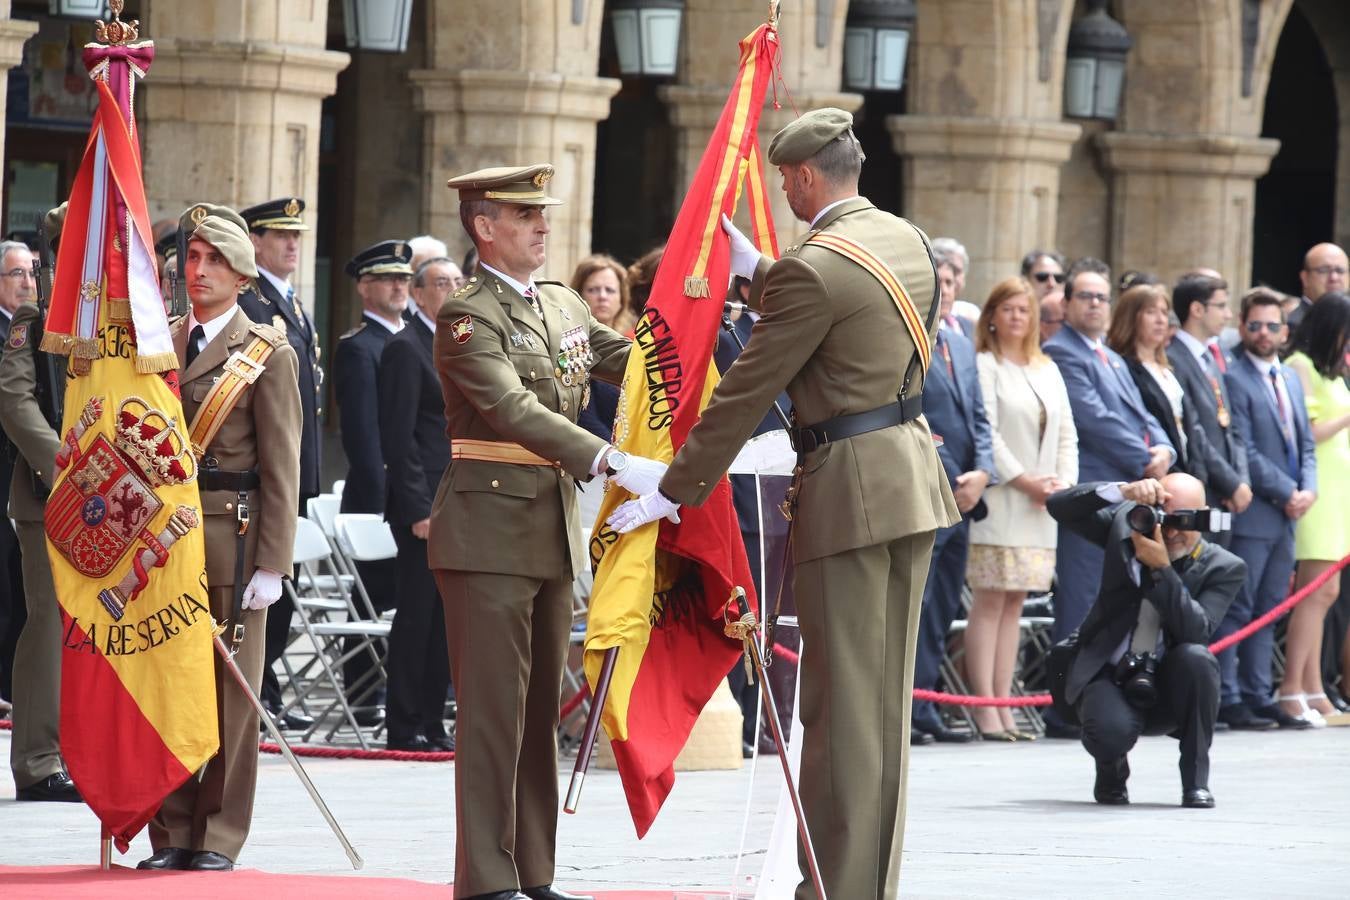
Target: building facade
(1229, 150)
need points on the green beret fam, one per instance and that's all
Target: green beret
(804, 138)
(52, 225)
(194, 214)
(232, 242)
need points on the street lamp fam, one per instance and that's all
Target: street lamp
(1094, 76)
(647, 36)
(79, 9)
(380, 25)
(876, 43)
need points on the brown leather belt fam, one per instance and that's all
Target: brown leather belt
(499, 452)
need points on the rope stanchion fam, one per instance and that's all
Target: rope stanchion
(1287, 604)
(358, 753)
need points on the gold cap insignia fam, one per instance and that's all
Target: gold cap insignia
(398, 249)
(542, 177)
(293, 208)
(198, 213)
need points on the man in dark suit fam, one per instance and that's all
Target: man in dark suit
(416, 453)
(948, 283)
(1118, 439)
(1325, 269)
(382, 273)
(1161, 594)
(954, 408)
(274, 229)
(1201, 305)
(1270, 417)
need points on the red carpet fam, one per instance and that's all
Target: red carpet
(122, 883)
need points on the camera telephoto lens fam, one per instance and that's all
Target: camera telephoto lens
(1144, 519)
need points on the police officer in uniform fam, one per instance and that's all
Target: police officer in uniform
(845, 330)
(32, 385)
(252, 460)
(275, 228)
(514, 356)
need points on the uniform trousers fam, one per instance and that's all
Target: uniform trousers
(941, 603)
(1188, 704)
(11, 602)
(859, 615)
(215, 813)
(508, 638)
(419, 670)
(35, 752)
(1246, 668)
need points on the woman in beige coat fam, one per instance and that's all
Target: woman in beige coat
(1036, 453)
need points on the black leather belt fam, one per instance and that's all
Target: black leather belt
(212, 479)
(810, 437)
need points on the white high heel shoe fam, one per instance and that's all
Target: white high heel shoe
(1305, 712)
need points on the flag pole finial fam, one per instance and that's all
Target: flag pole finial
(773, 13)
(117, 32)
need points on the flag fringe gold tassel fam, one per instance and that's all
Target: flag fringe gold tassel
(154, 363)
(696, 286)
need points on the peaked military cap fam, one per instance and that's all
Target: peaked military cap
(167, 245)
(282, 215)
(800, 140)
(522, 185)
(384, 258)
(194, 214)
(231, 239)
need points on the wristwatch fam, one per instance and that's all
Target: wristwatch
(616, 463)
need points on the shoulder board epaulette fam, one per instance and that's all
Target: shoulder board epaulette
(270, 333)
(355, 331)
(467, 288)
(545, 281)
(176, 322)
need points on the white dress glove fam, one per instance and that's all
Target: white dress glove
(642, 475)
(645, 509)
(264, 589)
(744, 254)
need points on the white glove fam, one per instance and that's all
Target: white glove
(642, 475)
(645, 509)
(744, 254)
(264, 589)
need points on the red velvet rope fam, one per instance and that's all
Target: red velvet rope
(358, 753)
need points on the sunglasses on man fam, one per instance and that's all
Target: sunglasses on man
(1043, 277)
(1255, 327)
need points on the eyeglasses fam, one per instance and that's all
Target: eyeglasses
(1091, 297)
(1255, 327)
(26, 274)
(1043, 277)
(391, 278)
(1325, 271)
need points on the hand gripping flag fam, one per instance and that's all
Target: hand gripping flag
(659, 593)
(138, 703)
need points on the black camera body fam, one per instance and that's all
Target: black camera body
(1137, 675)
(1144, 519)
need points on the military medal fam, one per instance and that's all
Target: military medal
(574, 357)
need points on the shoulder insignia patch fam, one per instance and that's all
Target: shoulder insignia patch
(355, 331)
(18, 336)
(272, 335)
(462, 329)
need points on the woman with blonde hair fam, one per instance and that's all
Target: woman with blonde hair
(603, 283)
(1012, 549)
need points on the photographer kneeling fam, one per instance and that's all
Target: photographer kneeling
(1142, 664)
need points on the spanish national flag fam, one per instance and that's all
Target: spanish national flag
(123, 521)
(659, 592)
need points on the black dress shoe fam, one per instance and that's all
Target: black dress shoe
(499, 895)
(414, 744)
(1240, 717)
(919, 738)
(944, 735)
(747, 750)
(1336, 700)
(1197, 798)
(210, 861)
(549, 892)
(369, 717)
(170, 858)
(1062, 730)
(1109, 788)
(58, 788)
(1281, 718)
(444, 743)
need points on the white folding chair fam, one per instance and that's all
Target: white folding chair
(338, 486)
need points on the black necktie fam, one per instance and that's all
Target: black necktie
(194, 336)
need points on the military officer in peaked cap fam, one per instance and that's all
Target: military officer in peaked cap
(275, 228)
(382, 274)
(249, 477)
(514, 356)
(847, 330)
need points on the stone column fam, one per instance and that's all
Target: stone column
(1182, 201)
(231, 106)
(477, 118)
(991, 183)
(13, 33)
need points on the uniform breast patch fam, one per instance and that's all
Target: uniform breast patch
(462, 329)
(18, 336)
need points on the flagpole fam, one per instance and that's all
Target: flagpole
(105, 851)
(588, 737)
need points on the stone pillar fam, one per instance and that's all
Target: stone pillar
(1182, 201)
(993, 184)
(13, 33)
(477, 118)
(231, 106)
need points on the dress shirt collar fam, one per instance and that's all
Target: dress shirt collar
(1264, 367)
(1093, 344)
(510, 282)
(393, 328)
(213, 327)
(820, 215)
(1192, 343)
(431, 326)
(282, 285)
(6, 313)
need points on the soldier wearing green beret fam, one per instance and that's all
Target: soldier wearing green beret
(847, 330)
(249, 492)
(515, 357)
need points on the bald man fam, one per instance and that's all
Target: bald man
(1325, 269)
(1161, 597)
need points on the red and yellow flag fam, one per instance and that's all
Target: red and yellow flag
(138, 702)
(659, 593)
